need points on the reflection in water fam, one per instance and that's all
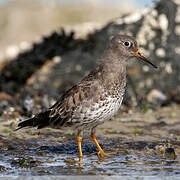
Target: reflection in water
(67, 164)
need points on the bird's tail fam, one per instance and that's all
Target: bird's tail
(26, 123)
(41, 120)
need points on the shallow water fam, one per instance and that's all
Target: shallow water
(48, 160)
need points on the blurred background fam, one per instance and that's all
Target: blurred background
(22, 20)
(47, 46)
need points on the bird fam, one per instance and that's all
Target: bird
(94, 99)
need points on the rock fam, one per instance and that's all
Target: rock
(28, 103)
(156, 97)
(170, 153)
(57, 76)
(2, 168)
(15, 74)
(5, 96)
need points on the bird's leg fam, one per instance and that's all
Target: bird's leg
(101, 153)
(79, 140)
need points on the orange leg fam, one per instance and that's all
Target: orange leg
(79, 140)
(101, 153)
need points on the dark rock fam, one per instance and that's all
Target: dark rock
(156, 30)
(170, 153)
(14, 75)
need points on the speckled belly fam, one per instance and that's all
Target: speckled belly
(87, 118)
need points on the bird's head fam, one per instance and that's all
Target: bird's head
(127, 47)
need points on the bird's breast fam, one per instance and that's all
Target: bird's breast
(97, 111)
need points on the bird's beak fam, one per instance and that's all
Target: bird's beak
(141, 56)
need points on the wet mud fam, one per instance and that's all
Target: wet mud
(147, 143)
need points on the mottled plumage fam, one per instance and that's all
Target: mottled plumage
(95, 98)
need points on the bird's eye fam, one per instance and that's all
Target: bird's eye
(127, 43)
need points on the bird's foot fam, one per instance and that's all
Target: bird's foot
(102, 154)
(80, 162)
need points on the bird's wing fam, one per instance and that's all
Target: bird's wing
(79, 95)
(87, 91)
